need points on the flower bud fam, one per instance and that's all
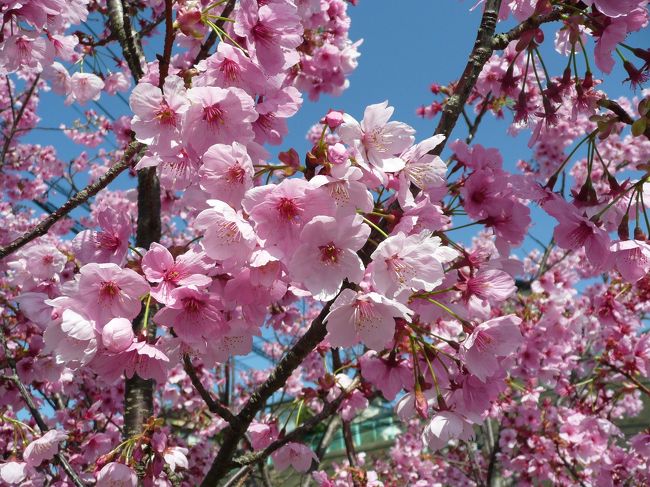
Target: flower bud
(117, 335)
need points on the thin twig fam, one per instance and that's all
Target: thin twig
(79, 198)
(33, 409)
(213, 404)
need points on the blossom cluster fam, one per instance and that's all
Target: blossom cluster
(491, 359)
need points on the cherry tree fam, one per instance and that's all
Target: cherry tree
(177, 239)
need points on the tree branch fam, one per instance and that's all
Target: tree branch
(481, 52)
(79, 198)
(328, 410)
(501, 41)
(120, 24)
(292, 359)
(138, 394)
(618, 110)
(16, 118)
(214, 405)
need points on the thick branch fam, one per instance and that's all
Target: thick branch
(33, 409)
(120, 25)
(138, 395)
(293, 358)
(81, 197)
(480, 54)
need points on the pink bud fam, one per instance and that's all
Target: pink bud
(117, 335)
(333, 119)
(337, 154)
(191, 23)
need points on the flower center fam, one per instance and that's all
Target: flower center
(165, 115)
(213, 114)
(230, 70)
(329, 254)
(192, 305)
(228, 231)
(287, 208)
(482, 341)
(108, 289)
(262, 33)
(402, 271)
(107, 241)
(236, 174)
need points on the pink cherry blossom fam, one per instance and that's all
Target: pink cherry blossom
(45, 261)
(43, 448)
(72, 341)
(488, 284)
(389, 376)
(117, 335)
(218, 115)
(85, 87)
(382, 141)
(229, 66)
(280, 211)
(271, 31)
(409, 263)
(422, 169)
(109, 244)
(159, 266)
(574, 231)
(293, 454)
(369, 318)
(445, 426)
(158, 113)
(227, 235)
(238, 340)
(116, 474)
(262, 434)
(227, 173)
(494, 338)
(631, 258)
(13, 473)
(327, 254)
(193, 314)
(105, 291)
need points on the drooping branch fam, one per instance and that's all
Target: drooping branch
(33, 409)
(81, 197)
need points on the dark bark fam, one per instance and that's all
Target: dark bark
(138, 395)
